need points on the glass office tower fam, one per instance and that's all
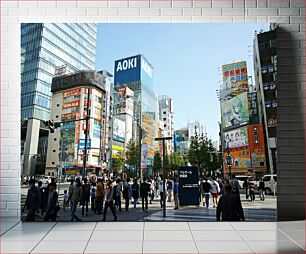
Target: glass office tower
(45, 47)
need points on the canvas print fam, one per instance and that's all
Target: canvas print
(148, 122)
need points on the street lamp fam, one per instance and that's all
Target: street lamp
(164, 173)
(229, 162)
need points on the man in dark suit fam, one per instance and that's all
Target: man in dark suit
(229, 206)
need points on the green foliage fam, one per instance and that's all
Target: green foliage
(157, 162)
(202, 154)
(118, 164)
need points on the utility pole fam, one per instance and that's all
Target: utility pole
(164, 173)
(86, 133)
(139, 144)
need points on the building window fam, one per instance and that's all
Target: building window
(54, 151)
(55, 139)
(53, 162)
(57, 105)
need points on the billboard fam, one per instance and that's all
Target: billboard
(119, 130)
(127, 70)
(96, 131)
(188, 186)
(131, 69)
(124, 102)
(258, 158)
(241, 159)
(235, 76)
(236, 138)
(235, 112)
(144, 155)
(82, 144)
(72, 92)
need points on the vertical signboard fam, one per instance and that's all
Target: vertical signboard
(144, 155)
(235, 75)
(188, 186)
(235, 112)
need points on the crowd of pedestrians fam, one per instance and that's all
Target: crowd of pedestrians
(116, 194)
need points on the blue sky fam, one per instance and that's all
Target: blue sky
(185, 57)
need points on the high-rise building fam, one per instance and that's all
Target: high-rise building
(265, 69)
(137, 74)
(181, 141)
(166, 116)
(193, 128)
(75, 97)
(48, 49)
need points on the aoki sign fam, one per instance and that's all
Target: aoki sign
(146, 68)
(127, 64)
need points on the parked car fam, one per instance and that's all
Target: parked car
(45, 179)
(242, 178)
(270, 184)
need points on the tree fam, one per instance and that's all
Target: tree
(132, 154)
(118, 163)
(157, 162)
(194, 150)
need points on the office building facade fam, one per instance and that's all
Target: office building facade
(265, 69)
(136, 73)
(44, 48)
(70, 104)
(166, 116)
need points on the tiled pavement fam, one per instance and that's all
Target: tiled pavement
(152, 237)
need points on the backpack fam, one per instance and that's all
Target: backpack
(116, 190)
(126, 190)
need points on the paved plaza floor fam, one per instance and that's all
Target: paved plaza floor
(152, 237)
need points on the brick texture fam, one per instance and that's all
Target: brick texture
(289, 14)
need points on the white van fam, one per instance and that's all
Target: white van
(270, 184)
(45, 179)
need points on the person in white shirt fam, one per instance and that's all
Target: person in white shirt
(215, 189)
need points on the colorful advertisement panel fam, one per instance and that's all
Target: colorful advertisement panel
(148, 125)
(96, 131)
(256, 136)
(241, 159)
(72, 92)
(82, 144)
(124, 102)
(237, 75)
(144, 155)
(236, 138)
(119, 130)
(258, 158)
(71, 104)
(235, 112)
(117, 151)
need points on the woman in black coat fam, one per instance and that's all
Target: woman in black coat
(52, 206)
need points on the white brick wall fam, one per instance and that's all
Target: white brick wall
(289, 13)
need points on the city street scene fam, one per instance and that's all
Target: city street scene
(148, 122)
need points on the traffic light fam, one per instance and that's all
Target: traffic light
(51, 125)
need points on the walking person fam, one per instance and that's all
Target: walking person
(70, 189)
(43, 194)
(161, 193)
(52, 206)
(109, 193)
(65, 203)
(33, 200)
(252, 191)
(206, 188)
(235, 185)
(85, 196)
(93, 197)
(100, 193)
(261, 189)
(229, 206)
(215, 189)
(135, 192)
(144, 192)
(152, 190)
(246, 187)
(176, 193)
(127, 193)
(169, 190)
(117, 194)
(75, 197)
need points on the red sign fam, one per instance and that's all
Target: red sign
(71, 104)
(72, 92)
(272, 122)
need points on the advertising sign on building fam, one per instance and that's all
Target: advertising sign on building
(124, 102)
(82, 144)
(72, 92)
(237, 75)
(119, 130)
(258, 158)
(236, 138)
(235, 112)
(96, 131)
(144, 155)
(188, 186)
(241, 159)
(71, 104)
(131, 69)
